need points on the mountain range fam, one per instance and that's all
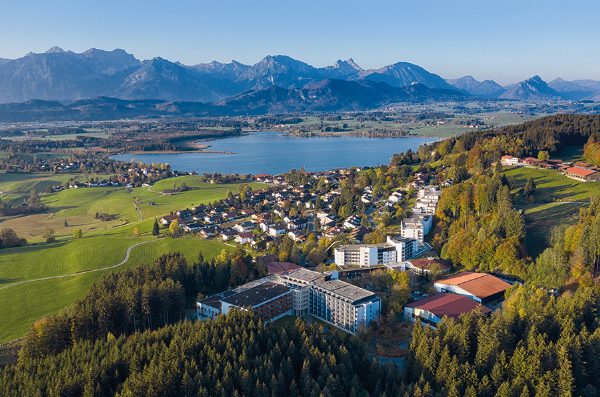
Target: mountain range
(324, 95)
(65, 76)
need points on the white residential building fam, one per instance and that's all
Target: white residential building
(417, 226)
(397, 249)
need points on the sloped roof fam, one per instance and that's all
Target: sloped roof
(580, 171)
(450, 305)
(480, 285)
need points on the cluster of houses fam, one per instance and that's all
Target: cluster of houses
(581, 171)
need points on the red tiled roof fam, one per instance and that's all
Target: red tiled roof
(450, 305)
(580, 171)
(480, 285)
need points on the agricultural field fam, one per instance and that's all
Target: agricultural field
(201, 193)
(79, 206)
(23, 304)
(557, 202)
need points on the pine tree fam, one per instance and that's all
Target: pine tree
(155, 228)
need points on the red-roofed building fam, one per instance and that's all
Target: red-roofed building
(582, 174)
(510, 160)
(281, 267)
(432, 310)
(481, 287)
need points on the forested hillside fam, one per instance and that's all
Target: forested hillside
(538, 346)
(234, 355)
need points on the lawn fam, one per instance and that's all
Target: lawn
(543, 216)
(32, 262)
(23, 304)
(551, 186)
(79, 206)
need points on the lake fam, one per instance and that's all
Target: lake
(274, 153)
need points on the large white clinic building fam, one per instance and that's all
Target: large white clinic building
(300, 293)
(337, 302)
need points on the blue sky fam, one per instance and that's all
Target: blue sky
(504, 40)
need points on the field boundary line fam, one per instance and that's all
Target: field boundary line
(84, 271)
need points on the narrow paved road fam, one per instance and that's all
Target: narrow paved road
(85, 271)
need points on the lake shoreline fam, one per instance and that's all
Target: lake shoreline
(275, 152)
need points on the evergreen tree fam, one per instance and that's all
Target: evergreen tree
(155, 228)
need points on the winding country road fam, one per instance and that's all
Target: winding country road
(84, 271)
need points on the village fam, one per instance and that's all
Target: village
(341, 292)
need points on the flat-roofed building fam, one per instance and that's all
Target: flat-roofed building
(396, 249)
(432, 310)
(417, 226)
(270, 300)
(337, 302)
(480, 287)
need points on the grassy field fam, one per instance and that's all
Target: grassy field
(557, 202)
(22, 304)
(79, 206)
(551, 186)
(33, 262)
(201, 193)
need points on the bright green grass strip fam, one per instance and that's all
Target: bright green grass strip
(551, 186)
(23, 304)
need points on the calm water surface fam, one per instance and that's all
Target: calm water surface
(273, 153)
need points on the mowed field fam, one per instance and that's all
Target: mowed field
(200, 193)
(23, 304)
(104, 244)
(79, 206)
(557, 202)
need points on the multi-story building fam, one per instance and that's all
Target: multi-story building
(337, 302)
(300, 293)
(396, 249)
(417, 226)
(270, 300)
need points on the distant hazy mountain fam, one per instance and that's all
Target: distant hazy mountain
(591, 85)
(279, 70)
(403, 74)
(342, 70)
(229, 71)
(62, 75)
(326, 95)
(4, 60)
(533, 89)
(161, 79)
(329, 95)
(59, 75)
(570, 90)
(486, 88)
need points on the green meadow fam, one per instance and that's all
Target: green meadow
(557, 202)
(79, 206)
(23, 304)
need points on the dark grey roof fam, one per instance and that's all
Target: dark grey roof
(344, 289)
(255, 296)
